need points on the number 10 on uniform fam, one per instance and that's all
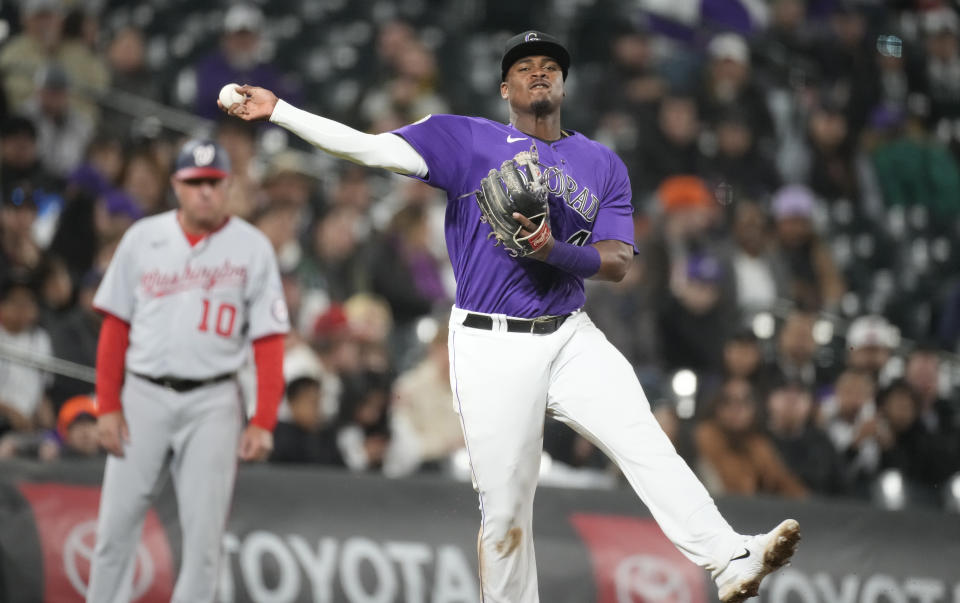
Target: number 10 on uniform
(226, 316)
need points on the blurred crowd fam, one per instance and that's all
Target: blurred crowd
(794, 310)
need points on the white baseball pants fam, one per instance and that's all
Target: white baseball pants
(201, 428)
(505, 383)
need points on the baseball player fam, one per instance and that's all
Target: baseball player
(520, 346)
(185, 293)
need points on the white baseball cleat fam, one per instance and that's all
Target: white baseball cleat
(762, 554)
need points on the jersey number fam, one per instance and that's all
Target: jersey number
(226, 316)
(579, 238)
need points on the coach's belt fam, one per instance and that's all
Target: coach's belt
(536, 326)
(185, 385)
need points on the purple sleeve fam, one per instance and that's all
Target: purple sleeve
(615, 217)
(444, 142)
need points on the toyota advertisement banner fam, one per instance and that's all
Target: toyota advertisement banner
(298, 534)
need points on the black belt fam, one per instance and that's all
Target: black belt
(185, 385)
(536, 326)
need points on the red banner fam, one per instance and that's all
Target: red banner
(633, 562)
(66, 519)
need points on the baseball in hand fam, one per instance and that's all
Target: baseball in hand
(229, 95)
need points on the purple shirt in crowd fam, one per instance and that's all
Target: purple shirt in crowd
(589, 202)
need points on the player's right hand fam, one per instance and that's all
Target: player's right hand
(258, 104)
(112, 432)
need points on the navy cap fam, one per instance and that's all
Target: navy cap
(201, 159)
(530, 43)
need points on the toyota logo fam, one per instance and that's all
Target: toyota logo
(648, 579)
(79, 547)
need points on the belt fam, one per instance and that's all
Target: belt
(536, 326)
(185, 385)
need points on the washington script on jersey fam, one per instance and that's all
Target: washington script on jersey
(159, 284)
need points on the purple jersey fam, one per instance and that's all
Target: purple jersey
(589, 201)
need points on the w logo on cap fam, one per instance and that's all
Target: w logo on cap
(204, 155)
(533, 35)
(202, 159)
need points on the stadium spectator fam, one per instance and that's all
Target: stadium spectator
(813, 280)
(670, 148)
(735, 457)
(795, 353)
(922, 457)
(239, 140)
(77, 429)
(832, 173)
(365, 436)
(63, 132)
(392, 38)
(238, 60)
(745, 357)
(18, 250)
(942, 69)
(306, 438)
(338, 353)
(803, 446)
(696, 315)
(632, 83)
(57, 294)
(624, 312)
(757, 278)
(403, 269)
(127, 60)
(410, 94)
(73, 335)
(20, 165)
(846, 62)
(738, 162)
(289, 179)
(24, 405)
(145, 180)
(75, 436)
(129, 73)
(783, 53)
(937, 414)
(849, 417)
(901, 82)
(334, 264)
(101, 168)
(912, 168)
(371, 325)
(871, 341)
(86, 68)
(25, 54)
(423, 401)
(728, 83)
(278, 221)
(114, 212)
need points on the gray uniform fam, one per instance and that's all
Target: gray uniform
(192, 310)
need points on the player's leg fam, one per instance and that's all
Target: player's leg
(125, 496)
(204, 466)
(499, 383)
(595, 391)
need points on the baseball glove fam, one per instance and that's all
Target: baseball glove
(518, 186)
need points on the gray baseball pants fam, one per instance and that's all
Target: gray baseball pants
(198, 433)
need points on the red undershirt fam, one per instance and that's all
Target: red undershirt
(112, 351)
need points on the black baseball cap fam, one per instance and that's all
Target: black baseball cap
(531, 43)
(201, 159)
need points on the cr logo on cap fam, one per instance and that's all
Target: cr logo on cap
(204, 154)
(531, 36)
